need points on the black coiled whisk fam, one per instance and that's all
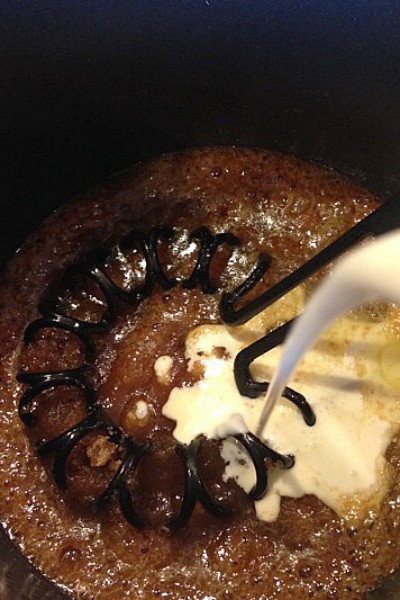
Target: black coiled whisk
(132, 451)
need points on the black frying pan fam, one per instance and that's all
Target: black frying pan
(89, 87)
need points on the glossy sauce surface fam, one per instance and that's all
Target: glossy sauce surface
(275, 204)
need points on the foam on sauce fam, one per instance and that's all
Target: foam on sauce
(162, 368)
(349, 377)
(142, 409)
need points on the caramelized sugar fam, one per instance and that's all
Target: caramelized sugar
(273, 203)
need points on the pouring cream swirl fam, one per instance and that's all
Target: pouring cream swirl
(349, 378)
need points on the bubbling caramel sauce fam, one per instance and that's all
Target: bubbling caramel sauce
(341, 457)
(276, 204)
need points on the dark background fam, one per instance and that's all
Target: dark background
(89, 87)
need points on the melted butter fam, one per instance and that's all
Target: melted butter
(346, 378)
(284, 310)
(389, 361)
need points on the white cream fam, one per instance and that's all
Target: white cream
(142, 409)
(369, 273)
(356, 406)
(162, 368)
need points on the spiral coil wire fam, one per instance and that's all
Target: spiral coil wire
(132, 451)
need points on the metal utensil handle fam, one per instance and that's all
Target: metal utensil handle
(383, 219)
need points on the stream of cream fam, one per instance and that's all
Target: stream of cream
(367, 274)
(350, 377)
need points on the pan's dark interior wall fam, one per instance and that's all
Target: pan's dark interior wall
(89, 87)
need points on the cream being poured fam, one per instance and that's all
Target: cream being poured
(368, 274)
(347, 377)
